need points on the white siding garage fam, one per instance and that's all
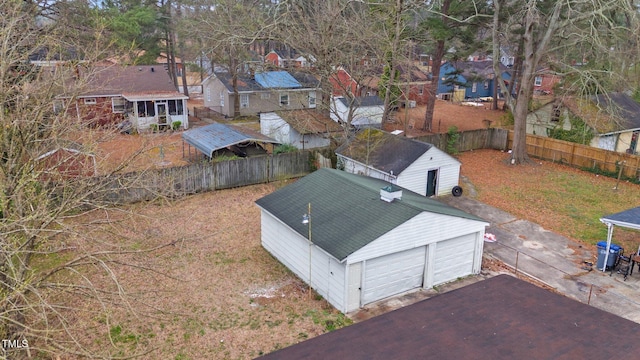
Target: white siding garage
(454, 258)
(359, 246)
(393, 274)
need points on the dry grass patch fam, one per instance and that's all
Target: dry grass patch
(215, 293)
(559, 198)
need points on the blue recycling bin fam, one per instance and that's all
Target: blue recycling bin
(614, 251)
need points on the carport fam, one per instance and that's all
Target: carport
(629, 219)
(210, 138)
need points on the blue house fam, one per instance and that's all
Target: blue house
(468, 80)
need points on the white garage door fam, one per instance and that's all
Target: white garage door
(392, 274)
(454, 258)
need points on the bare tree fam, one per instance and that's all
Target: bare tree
(47, 269)
(547, 28)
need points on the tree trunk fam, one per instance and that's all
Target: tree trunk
(436, 63)
(438, 55)
(392, 70)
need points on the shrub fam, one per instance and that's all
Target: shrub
(284, 148)
(153, 127)
(452, 140)
(176, 125)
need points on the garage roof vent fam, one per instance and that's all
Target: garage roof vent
(390, 193)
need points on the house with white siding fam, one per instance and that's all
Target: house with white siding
(414, 165)
(365, 239)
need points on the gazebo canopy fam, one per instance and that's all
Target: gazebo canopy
(629, 219)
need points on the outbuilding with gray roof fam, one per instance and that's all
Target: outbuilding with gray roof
(413, 164)
(365, 239)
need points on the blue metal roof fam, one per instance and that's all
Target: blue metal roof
(277, 79)
(217, 136)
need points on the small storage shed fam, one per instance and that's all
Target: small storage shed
(414, 165)
(366, 111)
(366, 239)
(305, 129)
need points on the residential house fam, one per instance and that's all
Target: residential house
(544, 82)
(613, 118)
(412, 82)
(366, 111)
(411, 164)
(144, 95)
(469, 80)
(218, 139)
(342, 84)
(260, 92)
(502, 317)
(288, 59)
(304, 129)
(364, 239)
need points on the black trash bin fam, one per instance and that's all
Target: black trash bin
(614, 251)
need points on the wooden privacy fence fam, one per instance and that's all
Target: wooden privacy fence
(492, 138)
(199, 177)
(581, 156)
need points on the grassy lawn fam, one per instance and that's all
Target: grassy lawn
(557, 197)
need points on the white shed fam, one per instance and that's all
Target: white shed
(366, 239)
(367, 111)
(304, 129)
(414, 165)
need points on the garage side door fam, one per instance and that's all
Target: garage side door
(392, 274)
(454, 258)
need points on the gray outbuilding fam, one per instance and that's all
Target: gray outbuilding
(366, 239)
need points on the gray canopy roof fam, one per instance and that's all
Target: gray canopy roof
(218, 136)
(629, 218)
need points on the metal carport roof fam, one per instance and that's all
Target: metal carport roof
(218, 136)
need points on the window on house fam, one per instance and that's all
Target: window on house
(175, 107)
(486, 84)
(312, 99)
(555, 113)
(118, 105)
(221, 99)
(284, 99)
(146, 109)
(208, 91)
(538, 81)
(244, 101)
(58, 106)
(474, 87)
(420, 89)
(90, 101)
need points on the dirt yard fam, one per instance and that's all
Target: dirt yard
(215, 293)
(167, 149)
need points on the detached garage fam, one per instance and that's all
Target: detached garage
(365, 239)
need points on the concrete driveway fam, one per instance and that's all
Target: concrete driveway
(555, 260)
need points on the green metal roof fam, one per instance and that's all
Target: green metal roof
(346, 210)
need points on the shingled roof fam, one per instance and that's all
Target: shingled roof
(498, 318)
(383, 151)
(130, 82)
(309, 121)
(347, 212)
